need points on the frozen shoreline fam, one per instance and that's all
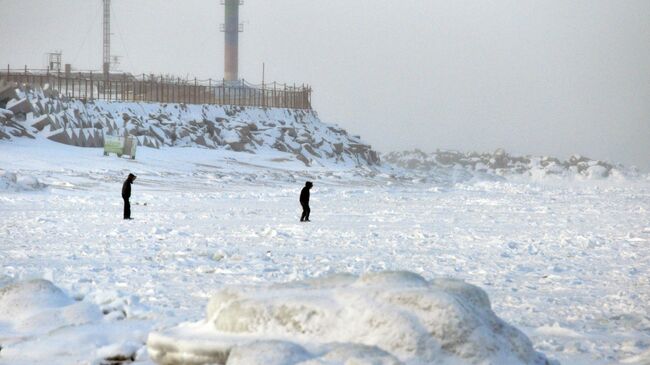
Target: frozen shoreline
(566, 262)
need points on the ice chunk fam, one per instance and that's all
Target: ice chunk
(384, 318)
(38, 306)
(23, 299)
(15, 182)
(40, 324)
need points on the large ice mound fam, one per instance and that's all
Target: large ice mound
(41, 324)
(377, 318)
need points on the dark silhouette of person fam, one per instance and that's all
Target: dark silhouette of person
(304, 201)
(126, 195)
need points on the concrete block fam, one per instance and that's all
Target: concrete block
(6, 116)
(22, 106)
(74, 137)
(62, 137)
(82, 141)
(200, 140)
(90, 139)
(302, 159)
(43, 121)
(150, 142)
(238, 146)
(311, 150)
(99, 137)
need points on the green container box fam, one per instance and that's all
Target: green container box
(120, 146)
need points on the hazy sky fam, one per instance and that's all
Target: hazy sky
(538, 77)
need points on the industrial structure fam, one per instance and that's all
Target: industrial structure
(231, 29)
(106, 49)
(54, 60)
(108, 84)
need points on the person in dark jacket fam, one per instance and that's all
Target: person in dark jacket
(304, 201)
(126, 194)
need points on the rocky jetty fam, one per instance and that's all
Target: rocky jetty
(27, 112)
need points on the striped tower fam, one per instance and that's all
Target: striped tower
(231, 29)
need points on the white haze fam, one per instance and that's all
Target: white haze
(539, 77)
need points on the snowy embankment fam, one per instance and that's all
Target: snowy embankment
(299, 133)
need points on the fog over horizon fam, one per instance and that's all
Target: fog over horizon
(533, 77)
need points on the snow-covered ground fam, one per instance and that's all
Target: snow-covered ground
(566, 262)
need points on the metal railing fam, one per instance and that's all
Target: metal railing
(91, 85)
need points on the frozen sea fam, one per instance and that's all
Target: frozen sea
(567, 262)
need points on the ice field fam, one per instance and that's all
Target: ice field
(566, 262)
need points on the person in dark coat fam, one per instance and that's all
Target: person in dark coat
(126, 195)
(304, 201)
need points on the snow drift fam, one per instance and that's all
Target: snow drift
(377, 318)
(503, 164)
(26, 112)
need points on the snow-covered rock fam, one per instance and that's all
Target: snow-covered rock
(376, 318)
(242, 129)
(503, 164)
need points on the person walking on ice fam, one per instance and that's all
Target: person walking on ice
(304, 201)
(126, 195)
